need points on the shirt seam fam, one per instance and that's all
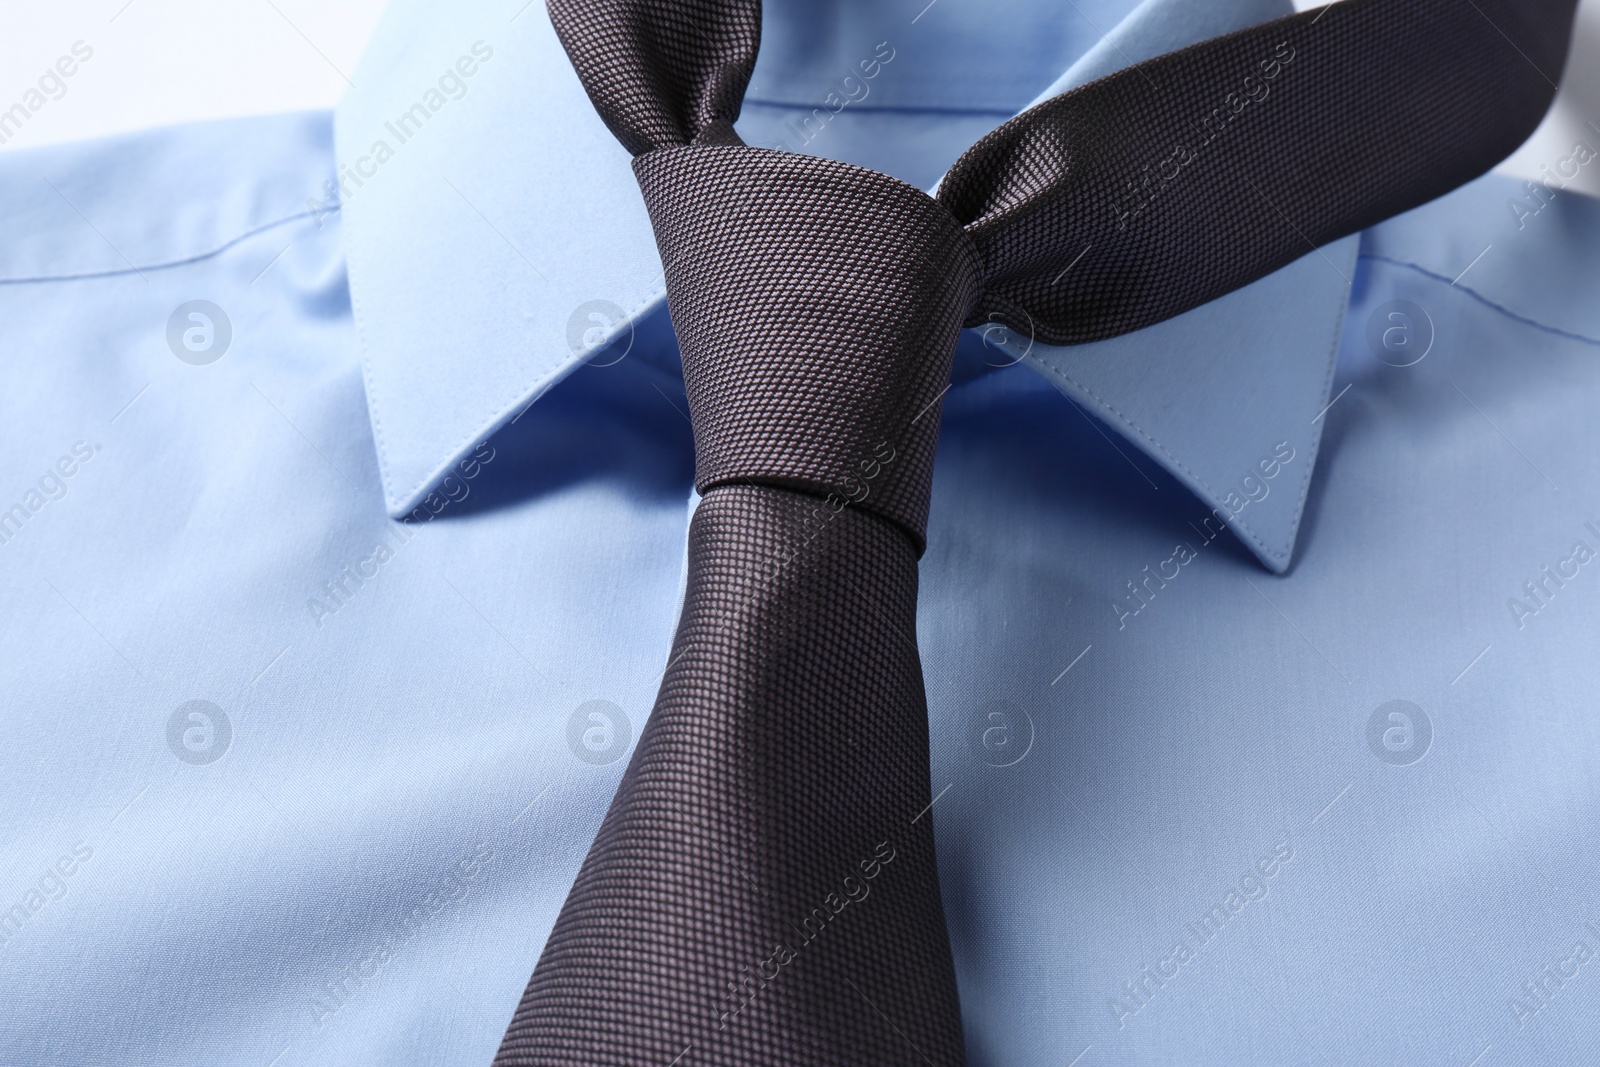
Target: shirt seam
(1484, 300)
(348, 239)
(160, 265)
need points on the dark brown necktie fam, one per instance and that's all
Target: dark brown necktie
(763, 890)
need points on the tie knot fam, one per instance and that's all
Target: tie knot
(817, 305)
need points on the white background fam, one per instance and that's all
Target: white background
(158, 62)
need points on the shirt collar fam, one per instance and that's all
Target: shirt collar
(496, 238)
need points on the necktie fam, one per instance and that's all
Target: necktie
(763, 889)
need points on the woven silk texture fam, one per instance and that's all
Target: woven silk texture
(763, 889)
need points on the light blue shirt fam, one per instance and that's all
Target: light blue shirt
(1260, 644)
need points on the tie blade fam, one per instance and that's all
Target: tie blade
(763, 888)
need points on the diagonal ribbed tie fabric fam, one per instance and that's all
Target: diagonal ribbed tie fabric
(763, 889)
